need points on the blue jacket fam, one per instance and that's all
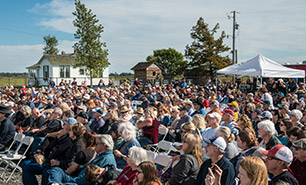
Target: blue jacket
(121, 162)
(106, 158)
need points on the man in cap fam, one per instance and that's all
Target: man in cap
(213, 121)
(235, 107)
(267, 105)
(214, 149)
(228, 120)
(83, 118)
(7, 128)
(214, 107)
(266, 115)
(255, 119)
(184, 118)
(97, 121)
(18, 117)
(298, 165)
(278, 161)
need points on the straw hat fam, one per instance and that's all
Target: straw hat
(139, 110)
(124, 109)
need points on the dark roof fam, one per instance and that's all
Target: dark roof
(143, 65)
(66, 59)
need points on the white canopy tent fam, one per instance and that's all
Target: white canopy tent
(261, 66)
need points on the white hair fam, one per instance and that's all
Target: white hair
(297, 113)
(127, 130)
(107, 140)
(137, 155)
(267, 125)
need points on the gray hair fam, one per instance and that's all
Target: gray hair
(267, 125)
(137, 155)
(26, 111)
(127, 130)
(107, 140)
(297, 113)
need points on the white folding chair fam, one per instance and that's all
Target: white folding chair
(162, 131)
(17, 140)
(166, 146)
(163, 160)
(151, 155)
(9, 158)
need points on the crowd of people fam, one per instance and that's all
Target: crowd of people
(224, 134)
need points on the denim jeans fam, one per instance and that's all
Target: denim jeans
(143, 141)
(37, 141)
(30, 168)
(58, 175)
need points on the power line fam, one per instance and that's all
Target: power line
(27, 33)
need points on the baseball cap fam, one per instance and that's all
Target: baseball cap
(83, 115)
(86, 96)
(228, 111)
(215, 102)
(71, 121)
(113, 104)
(300, 144)
(267, 102)
(217, 141)
(258, 111)
(266, 114)
(215, 115)
(257, 101)
(234, 103)
(250, 94)
(280, 152)
(98, 110)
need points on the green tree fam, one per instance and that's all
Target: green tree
(51, 45)
(205, 51)
(170, 60)
(91, 52)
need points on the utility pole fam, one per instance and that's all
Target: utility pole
(234, 51)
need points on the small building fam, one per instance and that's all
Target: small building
(147, 71)
(299, 65)
(60, 67)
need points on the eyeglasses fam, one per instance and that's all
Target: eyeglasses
(271, 158)
(281, 124)
(99, 143)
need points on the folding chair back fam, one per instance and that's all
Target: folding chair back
(167, 146)
(163, 160)
(151, 155)
(9, 158)
(163, 131)
(17, 140)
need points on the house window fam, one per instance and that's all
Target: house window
(64, 71)
(46, 72)
(82, 71)
(101, 74)
(154, 73)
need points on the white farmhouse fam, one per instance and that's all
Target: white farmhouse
(60, 67)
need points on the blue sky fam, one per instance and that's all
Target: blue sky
(134, 28)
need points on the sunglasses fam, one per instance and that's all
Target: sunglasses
(271, 158)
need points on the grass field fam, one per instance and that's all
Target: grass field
(15, 81)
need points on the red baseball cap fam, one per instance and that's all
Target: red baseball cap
(280, 152)
(228, 111)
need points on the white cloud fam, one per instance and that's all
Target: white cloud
(134, 28)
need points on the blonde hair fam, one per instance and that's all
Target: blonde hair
(245, 122)
(64, 106)
(199, 121)
(26, 111)
(113, 114)
(194, 147)
(150, 112)
(226, 132)
(256, 170)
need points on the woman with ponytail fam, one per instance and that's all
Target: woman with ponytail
(231, 150)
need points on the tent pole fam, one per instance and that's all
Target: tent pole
(217, 83)
(261, 81)
(304, 84)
